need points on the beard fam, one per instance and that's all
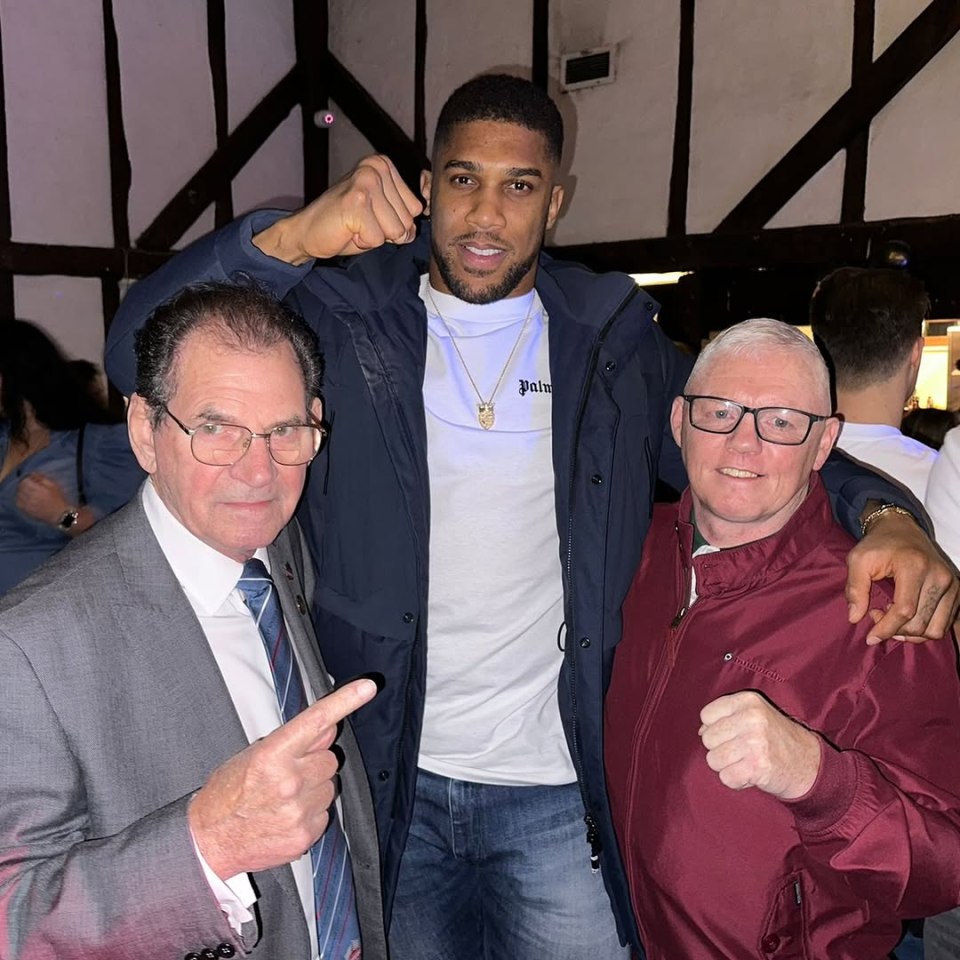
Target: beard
(499, 290)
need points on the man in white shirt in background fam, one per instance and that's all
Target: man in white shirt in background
(943, 496)
(166, 787)
(941, 934)
(869, 324)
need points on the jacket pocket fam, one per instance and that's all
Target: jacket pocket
(784, 934)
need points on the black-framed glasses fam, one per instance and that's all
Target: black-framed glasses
(223, 444)
(782, 425)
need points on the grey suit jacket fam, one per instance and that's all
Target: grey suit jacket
(112, 714)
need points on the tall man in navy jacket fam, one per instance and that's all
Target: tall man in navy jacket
(524, 511)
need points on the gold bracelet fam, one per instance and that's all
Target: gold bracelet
(884, 508)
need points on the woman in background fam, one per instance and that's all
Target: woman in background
(63, 463)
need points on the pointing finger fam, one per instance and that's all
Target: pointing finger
(302, 734)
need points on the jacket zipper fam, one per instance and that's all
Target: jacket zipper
(665, 665)
(593, 832)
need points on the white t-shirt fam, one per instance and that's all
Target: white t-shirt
(496, 589)
(903, 459)
(943, 496)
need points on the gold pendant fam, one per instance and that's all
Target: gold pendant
(485, 414)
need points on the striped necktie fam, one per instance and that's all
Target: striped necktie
(338, 931)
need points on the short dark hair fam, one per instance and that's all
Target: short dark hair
(867, 320)
(34, 371)
(241, 314)
(506, 99)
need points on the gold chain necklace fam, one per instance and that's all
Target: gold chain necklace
(485, 414)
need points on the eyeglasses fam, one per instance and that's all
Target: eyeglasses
(223, 444)
(782, 425)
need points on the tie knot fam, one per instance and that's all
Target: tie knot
(254, 569)
(254, 583)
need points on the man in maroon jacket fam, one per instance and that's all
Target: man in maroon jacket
(739, 669)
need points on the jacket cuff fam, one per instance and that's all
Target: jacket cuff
(237, 253)
(832, 793)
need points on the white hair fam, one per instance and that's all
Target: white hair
(752, 337)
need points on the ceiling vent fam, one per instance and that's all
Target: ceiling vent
(587, 68)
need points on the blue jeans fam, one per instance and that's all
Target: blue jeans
(499, 873)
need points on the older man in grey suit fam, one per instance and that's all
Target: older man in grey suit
(166, 788)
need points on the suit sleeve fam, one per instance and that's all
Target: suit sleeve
(227, 254)
(887, 811)
(851, 485)
(66, 894)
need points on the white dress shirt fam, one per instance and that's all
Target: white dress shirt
(209, 581)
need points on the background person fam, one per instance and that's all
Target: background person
(869, 322)
(943, 496)
(63, 463)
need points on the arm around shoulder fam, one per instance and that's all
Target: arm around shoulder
(222, 255)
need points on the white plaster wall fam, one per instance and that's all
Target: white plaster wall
(464, 39)
(260, 52)
(911, 164)
(58, 157)
(347, 145)
(619, 135)
(56, 121)
(764, 73)
(273, 177)
(70, 309)
(374, 40)
(890, 19)
(819, 201)
(167, 99)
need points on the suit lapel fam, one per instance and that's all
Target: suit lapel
(157, 621)
(293, 585)
(286, 564)
(156, 618)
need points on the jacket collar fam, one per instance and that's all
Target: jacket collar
(737, 570)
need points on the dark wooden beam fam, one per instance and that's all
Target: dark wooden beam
(7, 307)
(120, 173)
(919, 43)
(201, 189)
(39, 259)
(540, 54)
(680, 174)
(842, 243)
(420, 78)
(383, 132)
(855, 168)
(110, 298)
(217, 55)
(311, 31)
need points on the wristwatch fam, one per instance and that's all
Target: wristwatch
(69, 519)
